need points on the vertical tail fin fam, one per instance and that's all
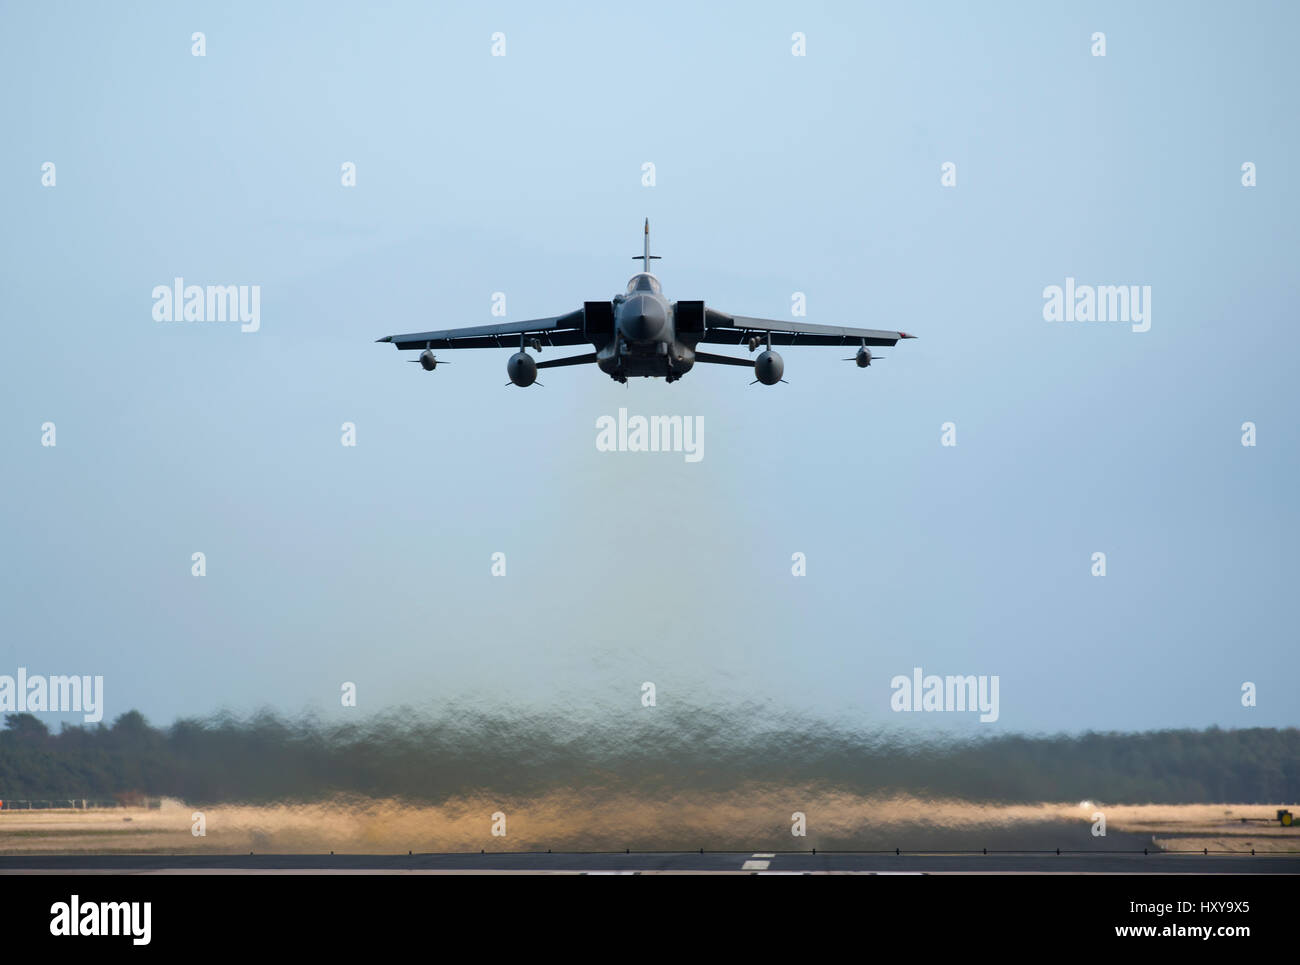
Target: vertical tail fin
(646, 258)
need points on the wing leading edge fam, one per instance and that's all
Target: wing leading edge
(567, 329)
(723, 329)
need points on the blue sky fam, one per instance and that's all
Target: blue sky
(774, 174)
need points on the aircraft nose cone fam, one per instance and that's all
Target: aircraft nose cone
(642, 318)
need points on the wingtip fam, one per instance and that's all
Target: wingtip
(905, 335)
(386, 338)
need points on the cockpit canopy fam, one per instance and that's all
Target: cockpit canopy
(644, 282)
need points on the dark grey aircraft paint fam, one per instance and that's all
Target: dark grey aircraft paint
(641, 333)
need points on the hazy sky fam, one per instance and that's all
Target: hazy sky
(775, 174)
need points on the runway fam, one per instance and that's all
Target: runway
(1093, 862)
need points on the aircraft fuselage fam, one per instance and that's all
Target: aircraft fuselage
(645, 340)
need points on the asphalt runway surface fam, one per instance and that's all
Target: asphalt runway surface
(1026, 849)
(1092, 862)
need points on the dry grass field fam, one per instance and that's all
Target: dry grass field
(746, 818)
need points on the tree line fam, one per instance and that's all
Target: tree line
(268, 757)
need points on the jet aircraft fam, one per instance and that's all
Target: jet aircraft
(641, 334)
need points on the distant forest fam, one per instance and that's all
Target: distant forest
(269, 758)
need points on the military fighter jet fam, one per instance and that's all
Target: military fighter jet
(641, 333)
